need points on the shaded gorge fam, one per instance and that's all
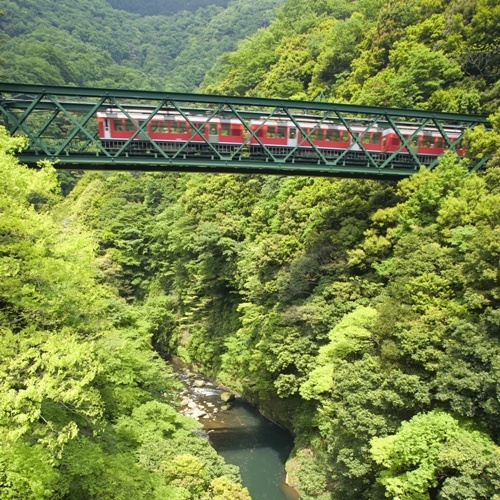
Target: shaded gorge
(239, 433)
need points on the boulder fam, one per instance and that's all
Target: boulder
(227, 397)
(199, 383)
(197, 414)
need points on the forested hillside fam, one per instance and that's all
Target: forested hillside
(89, 43)
(432, 54)
(163, 7)
(86, 406)
(360, 314)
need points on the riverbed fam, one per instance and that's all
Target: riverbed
(240, 434)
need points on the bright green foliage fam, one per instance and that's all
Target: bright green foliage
(223, 489)
(414, 73)
(350, 339)
(421, 54)
(186, 471)
(363, 315)
(434, 451)
(82, 393)
(27, 471)
(343, 307)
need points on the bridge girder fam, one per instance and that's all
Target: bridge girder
(61, 125)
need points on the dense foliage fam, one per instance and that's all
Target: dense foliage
(343, 307)
(363, 315)
(163, 7)
(86, 406)
(432, 54)
(88, 43)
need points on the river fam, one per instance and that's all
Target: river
(242, 436)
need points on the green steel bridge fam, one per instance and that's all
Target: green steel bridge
(61, 125)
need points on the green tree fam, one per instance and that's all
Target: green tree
(434, 454)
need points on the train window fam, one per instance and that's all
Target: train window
(118, 125)
(292, 133)
(271, 131)
(440, 142)
(376, 138)
(365, 138)
(129, 126)
(333, 135)
(345, 136)
(225, 129)
(213, 129)
(427, 141)
(281, 132)
(413, 142)
(182, 127)
(318, 134)
(157, 126)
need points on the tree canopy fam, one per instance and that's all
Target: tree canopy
(86, 405)
(360, 314)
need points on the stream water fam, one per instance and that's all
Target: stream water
(242, 436)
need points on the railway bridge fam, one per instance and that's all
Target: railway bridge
(110, 129)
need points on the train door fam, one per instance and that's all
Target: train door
(107, 134)
(213, 132)
(292, 137)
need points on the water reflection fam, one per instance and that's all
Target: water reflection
(260, 449)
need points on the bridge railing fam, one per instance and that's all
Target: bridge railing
(65, 125)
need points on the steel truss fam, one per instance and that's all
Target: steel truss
(61, 125)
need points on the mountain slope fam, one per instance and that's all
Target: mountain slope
(89, 43)
(435, 54)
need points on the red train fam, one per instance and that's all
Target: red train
(173, 133)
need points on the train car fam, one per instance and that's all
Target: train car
(427, 143)
(283, 138)
(169, 130)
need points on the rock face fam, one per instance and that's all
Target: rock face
(227, 397)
